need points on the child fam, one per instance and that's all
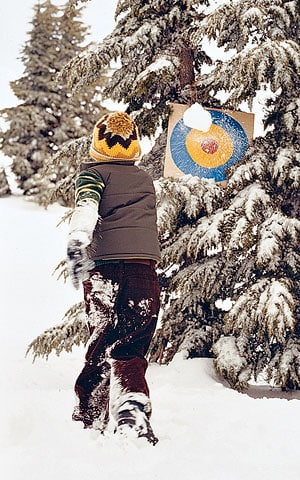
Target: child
(113, 248)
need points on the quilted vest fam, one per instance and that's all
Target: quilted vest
(127, 225)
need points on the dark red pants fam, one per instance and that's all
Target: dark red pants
(122, 305)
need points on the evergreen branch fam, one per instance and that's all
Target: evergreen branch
(232, 362)
(258, 66)
(274, 307)
(73, 331)
(189, 196)
(66, 216)
(235, 26)
(284, 369)
(77, 149)
(86, 68)
(275, 233)
(62, 270)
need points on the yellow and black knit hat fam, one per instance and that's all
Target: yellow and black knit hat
(115, 137)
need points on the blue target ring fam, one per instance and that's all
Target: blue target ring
(185, 162)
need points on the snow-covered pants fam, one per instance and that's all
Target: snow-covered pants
(122, 305)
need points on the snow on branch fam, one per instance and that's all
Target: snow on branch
(291, 116)
(266, 309)
(284, 369)
(246, 173)
(235, 25)
(126, 41)
(174, 247)
(252, 201)
(275, 234)
(187, 195)
(275, 62)
(206, 279)
(287, 159)
(77, 149)
(205, 236)
(85, 68)
(231, 361)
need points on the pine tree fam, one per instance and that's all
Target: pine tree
(27, 140)
(4, 185)
(48, 114)
(258, 230)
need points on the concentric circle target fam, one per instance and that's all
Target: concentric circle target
(208, 154)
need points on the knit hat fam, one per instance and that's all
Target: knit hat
(115, 137)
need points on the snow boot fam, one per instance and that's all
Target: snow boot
(133, 422)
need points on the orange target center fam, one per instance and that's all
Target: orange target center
(209, 149)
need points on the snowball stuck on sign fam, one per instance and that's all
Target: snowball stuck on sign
(197, 117)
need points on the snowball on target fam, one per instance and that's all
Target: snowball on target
(204, 142)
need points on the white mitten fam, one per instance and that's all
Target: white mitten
(82, 225)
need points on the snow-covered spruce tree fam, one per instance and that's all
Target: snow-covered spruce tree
(4, 185)
(257, 233)
(156, 65)
(48, 114)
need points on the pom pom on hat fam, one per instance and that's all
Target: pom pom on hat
(115, 137)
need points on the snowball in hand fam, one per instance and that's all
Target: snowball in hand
(197, 117)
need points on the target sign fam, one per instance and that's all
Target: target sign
(207, 154)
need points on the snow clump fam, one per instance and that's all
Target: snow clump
(197, 117)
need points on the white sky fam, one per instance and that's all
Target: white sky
(15, 17)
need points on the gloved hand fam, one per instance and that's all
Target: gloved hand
(78, 262)
(82, 225)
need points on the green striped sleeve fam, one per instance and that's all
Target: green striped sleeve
(88, 185)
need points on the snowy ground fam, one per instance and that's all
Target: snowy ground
(206, 430)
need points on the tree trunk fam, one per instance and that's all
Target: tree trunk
(187, 73)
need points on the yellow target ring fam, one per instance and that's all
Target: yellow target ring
(209, 149)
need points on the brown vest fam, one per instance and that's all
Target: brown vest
(128, 212)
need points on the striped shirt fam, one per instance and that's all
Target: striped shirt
(88, 185)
